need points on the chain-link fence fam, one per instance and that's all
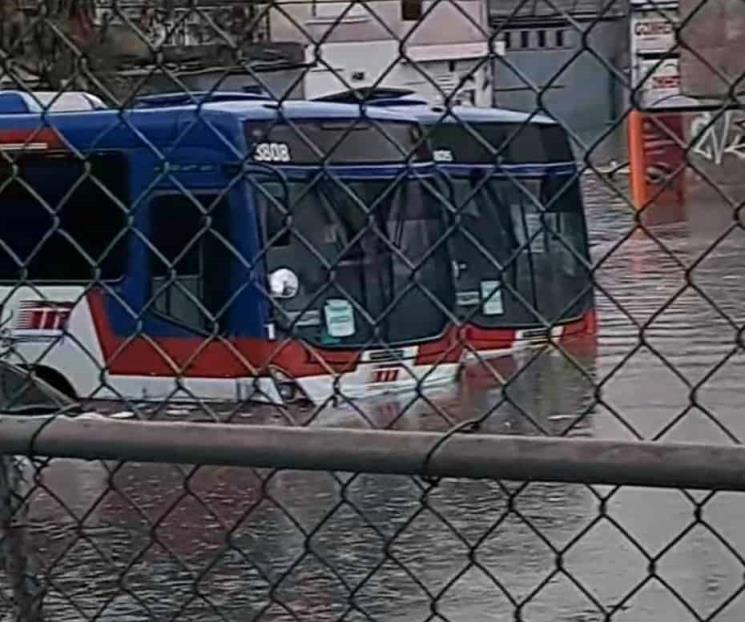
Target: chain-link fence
(381, 310)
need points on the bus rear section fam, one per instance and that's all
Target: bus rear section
(125, 279)
(60, 231)
(359, 271)
(521, 246)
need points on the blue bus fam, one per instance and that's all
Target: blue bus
(223, 247)
(520, 243)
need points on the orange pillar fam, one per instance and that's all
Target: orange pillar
(637, 159)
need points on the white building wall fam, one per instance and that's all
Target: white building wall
(445, 51)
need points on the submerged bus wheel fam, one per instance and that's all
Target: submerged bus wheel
(287, 387)
(55, 379)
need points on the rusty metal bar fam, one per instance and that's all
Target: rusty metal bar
(15, 549)
(483, 456)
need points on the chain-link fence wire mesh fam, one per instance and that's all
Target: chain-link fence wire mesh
(193, 239)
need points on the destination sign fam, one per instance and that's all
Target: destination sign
(337, 142)
(500, 143)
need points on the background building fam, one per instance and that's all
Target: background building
(712, 62)
(570, 58)
(438, 49)
(293, 49)
(142, 45)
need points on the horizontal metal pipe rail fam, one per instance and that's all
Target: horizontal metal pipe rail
(475, 456)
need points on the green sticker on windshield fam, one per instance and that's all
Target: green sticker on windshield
(491, 295)
(339, 318)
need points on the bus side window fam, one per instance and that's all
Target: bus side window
(63, 219)
(190, 272)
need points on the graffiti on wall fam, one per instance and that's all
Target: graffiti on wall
(715, 135)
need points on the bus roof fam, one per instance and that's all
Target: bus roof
(407, 101)
(464, 136)
(220, 122)
(466, 114)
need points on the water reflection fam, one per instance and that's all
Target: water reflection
(316, 544)
(317, 539)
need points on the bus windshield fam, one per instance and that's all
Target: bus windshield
(368, 248)
(521, 250)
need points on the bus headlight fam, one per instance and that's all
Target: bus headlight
(283, 283)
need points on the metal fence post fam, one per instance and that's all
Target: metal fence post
(16, 551)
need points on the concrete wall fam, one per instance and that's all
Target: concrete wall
(715, 33)
(716, 159)
(712, 70)
(353, 46)
(576, 86)
(455, 21)
(349, 64)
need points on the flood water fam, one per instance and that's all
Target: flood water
(161, 542)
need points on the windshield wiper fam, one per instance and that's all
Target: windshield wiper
(504, 217)
(400, 207)
(505, 223)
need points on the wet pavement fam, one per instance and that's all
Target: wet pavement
(160, 542)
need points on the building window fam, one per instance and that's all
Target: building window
(507, 40)
(524, 38)
(559, 37)
(541, 38)
(411, 10)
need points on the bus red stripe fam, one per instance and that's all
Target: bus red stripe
(209, 357)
